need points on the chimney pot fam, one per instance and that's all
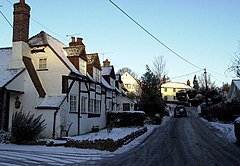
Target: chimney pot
(106, 63)
(22, 1)
(79, 40)
(73, 39)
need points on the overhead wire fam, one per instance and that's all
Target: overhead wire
(187, 74)
(144, 29)
(6, 19)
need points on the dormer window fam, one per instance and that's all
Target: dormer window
(82, 66)
(42, 64)
(96, 74)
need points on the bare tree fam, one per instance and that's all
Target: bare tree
(126, 69)
(211, 84)
(159, 69)
(235, 66)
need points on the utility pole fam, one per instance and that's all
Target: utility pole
(206, 84)
(205, 75)
(206, 94)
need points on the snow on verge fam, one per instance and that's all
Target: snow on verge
(227, 130)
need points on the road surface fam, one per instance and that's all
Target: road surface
(181, 142)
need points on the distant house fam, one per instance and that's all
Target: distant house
(130, 82)
(234, 91)
(169, 90)
(66, 85)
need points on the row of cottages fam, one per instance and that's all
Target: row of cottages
(66, 85)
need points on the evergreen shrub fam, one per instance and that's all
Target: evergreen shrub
(25, 127)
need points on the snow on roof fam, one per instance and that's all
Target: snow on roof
(51, 101)
(176, 85)
(106, 70)
(6, 74)
(90, 77)
(104, 82)
(118, 90)
(237, 83)
(45, 39)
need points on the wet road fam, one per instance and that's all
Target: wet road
(181, 142)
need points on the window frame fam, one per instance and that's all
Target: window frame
(97, 109)
(73, 103)
(83, 104)
(41, 65)
(91, 106)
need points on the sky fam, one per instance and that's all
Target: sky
(204, 32)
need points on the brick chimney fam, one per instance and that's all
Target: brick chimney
(21, 21)
(106, 63)
(76, 43)
(188, 83)
(20, 47)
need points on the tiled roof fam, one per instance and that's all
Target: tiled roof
(93, 59)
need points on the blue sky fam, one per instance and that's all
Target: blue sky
(205, 32)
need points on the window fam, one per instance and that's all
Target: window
(126, 106)
(73, 103)
(43, 63)
(165, 98)
(91, 104)
(165, 89)
(110, 106)
(82, 66)
(128, 86)
(83, 105)
(112, 82)
(174, 89)
(96, 74)
(97, 106)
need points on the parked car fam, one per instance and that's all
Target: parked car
(180, 110)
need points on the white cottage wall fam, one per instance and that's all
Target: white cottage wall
(51, 78)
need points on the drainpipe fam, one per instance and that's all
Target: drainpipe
(54, 123)
(79, 109)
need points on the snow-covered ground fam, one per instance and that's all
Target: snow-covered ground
(11, 154)
(115, 134)
(226, 130)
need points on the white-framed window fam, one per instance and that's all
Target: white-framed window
(91, 106)
(96, 74)
(83, 104)
(73, 103)
(110, 106)
(42, 64)
(82, 66)
(112, 82)
(97, 106)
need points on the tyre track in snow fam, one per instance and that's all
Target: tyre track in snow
(181, 142)
(20, 158)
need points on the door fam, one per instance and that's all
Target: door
(4, 110)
